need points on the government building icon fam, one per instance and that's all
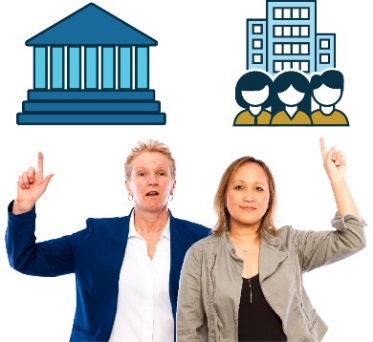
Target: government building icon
(91, 68)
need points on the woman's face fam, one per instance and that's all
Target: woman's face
(151, 181)
(256, 97)
(248, 196)
(291, 96)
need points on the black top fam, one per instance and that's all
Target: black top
(256, 319)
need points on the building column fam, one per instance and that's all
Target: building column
(74, 68)
(142, 68)
(108, 67)
(125, 68)
(40, 68)
(91, 68)
(57, 68)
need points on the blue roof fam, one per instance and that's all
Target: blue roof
(91, 25)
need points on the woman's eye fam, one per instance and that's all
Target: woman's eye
(238, 187)
(259, 188)
(142, 174)
(162, 173)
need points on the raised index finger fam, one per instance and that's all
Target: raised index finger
(322, 147)
(40, 164)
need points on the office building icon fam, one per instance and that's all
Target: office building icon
(287, 39)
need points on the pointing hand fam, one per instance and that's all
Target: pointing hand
(30, 186)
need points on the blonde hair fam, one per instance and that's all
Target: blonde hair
(149, 146)
(220, 201)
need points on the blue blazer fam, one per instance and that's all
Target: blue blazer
(95, 255)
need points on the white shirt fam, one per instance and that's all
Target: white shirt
(144, 311)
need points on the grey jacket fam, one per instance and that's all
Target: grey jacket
(211, 280)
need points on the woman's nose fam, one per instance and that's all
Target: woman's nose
(153, 179)
(248, 196)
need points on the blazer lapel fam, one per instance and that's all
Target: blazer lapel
(180, 241)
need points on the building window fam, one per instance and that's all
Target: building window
(278, 66)
(277, 13)
(304, 31)
(258, 29)
(296, 66)
(287, 13)
(295, 49)
(324, 43)
(257, 44)
(278, 49)
(287, 66)
(257, 59)
(304, 66)
(304, 13)
(295, 13)
(304, 50)
(324, 59)
(287, 31)
(295, 31)
(287, 49)
(278, 31)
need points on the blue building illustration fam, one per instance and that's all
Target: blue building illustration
(91, 68)
(287, 39)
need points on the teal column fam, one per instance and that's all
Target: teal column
(142, 68)
(73, 68)
(90, 68)
(108, 68)
(125, 68)
(40, 68)
(57, 68)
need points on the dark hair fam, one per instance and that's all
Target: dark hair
(220, 202)
(331, 78)
(300, 82)
(254, 81)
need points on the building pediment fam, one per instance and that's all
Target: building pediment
(91, 25)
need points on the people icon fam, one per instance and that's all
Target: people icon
(327, 90)
(293, 101)
(253, 93)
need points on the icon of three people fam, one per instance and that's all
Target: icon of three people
(289, 98)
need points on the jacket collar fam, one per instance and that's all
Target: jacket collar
(271, 255)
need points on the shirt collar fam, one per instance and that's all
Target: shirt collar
(133, 232)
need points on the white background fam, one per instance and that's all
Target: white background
(194, 68)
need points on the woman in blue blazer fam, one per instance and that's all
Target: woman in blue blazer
(119, 263)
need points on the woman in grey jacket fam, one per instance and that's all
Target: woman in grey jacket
(244, 283)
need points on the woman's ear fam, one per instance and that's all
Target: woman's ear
(173, 186)
(127, 186)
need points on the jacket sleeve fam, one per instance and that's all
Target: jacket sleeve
(191, 317)
(325, 247)
(47, 259)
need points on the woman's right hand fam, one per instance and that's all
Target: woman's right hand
(30, 186)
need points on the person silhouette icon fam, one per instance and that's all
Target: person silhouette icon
(292, 104)
(253, 93)
(327, 91)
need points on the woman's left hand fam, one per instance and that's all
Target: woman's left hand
(334, 162)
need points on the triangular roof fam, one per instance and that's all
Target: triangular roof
(91, 25)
